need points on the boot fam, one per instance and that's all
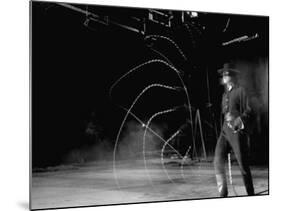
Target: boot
(222, 185)
(248, 182)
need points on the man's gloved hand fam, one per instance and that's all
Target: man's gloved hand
(238, 124)
(234, 123)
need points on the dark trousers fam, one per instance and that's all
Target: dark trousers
(239, 144)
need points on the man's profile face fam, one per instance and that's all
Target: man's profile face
(226, 79)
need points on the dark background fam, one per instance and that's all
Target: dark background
(74, 66)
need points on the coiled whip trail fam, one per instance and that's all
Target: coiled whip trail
(171, 67)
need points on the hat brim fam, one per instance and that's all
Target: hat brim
(230, 71)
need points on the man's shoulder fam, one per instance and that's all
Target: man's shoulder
(239, 88)
(238, 91)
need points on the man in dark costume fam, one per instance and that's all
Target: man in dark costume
(236, 112)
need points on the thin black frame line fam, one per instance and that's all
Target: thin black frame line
(153, 8)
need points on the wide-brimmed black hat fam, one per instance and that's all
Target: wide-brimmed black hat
(228, 69)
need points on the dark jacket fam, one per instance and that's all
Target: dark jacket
(236, 103)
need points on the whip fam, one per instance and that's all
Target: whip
(230, 173)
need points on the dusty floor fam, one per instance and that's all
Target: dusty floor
(94, 183)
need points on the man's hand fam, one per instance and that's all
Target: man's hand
(238, 124)
(235, 124)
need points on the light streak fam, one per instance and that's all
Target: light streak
(144, 138)
(124, 120)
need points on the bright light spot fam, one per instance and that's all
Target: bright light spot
(194, 14)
